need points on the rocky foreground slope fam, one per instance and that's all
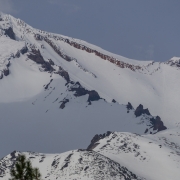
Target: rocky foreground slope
(78, 164)
(112, 155)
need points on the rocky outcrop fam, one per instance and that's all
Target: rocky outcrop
(64, 101)
(81, 91)
(96, 138)
(51, 62)
(129, 106)
(139, 111)
(111, 59)
(57, 50)
(6, 72)
(174, 62)
(17, 55)
(78, 89)
(46, 87)
(158, 124)
(64, 74)
(36, 56)
(47, 67)
(24, 50)
(9, 32)
(93, 96)
(38, 37)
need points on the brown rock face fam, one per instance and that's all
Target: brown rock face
(113, 60)
(59, 52)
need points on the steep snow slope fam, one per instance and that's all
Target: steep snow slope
(49, 128)
(150, 156)
(155, 85)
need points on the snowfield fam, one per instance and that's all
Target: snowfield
(57, 92)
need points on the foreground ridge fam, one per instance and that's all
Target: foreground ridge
(71, 165)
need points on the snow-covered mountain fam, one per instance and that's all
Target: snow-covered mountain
(56, 92)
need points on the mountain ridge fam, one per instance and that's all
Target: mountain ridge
(57, 92)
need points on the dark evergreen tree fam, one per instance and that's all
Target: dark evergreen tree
(23, 170)
(37, 174)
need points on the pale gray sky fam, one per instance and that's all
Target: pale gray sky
(136, 29)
